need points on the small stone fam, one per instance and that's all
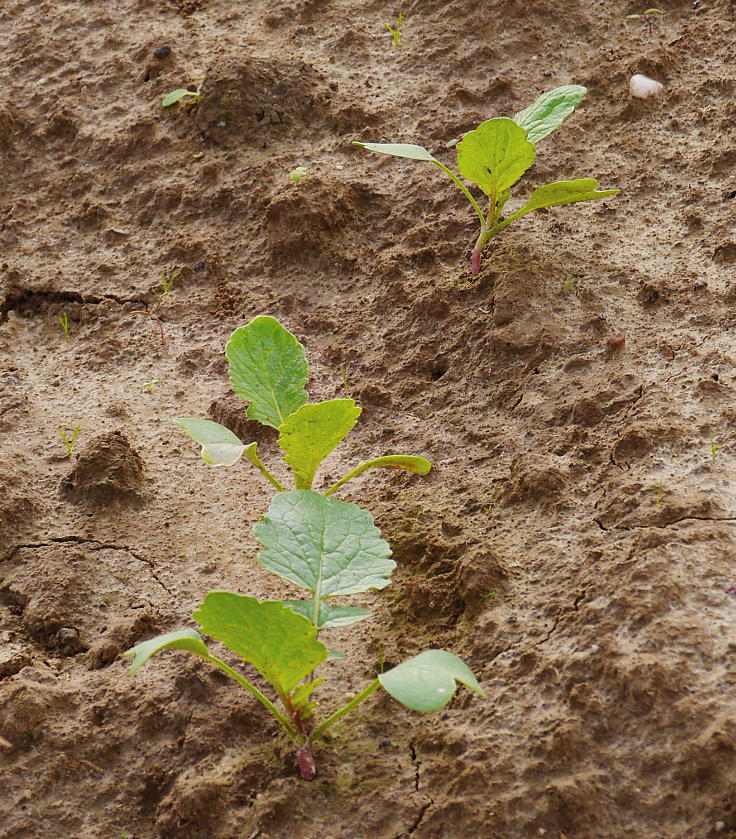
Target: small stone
(162, 52)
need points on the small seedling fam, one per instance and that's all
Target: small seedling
(297, 174)
(660, 493)
(149, 385)
(395, 31)
(70, 440)
(714, 448)
(181, 96)
(268, 369)
(330, 548)
(648, 16)
(497, 153)
(64, 321)
(167, 283)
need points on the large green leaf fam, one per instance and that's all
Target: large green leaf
(564, 192)
(268, 369)
(495, 155)
(427, 681)
(182, 639)
(325, 545)
(409, 462)
(280, 644)
(220, 447)
(312, 432)
(399, 150)
(549, 111)
(329, 615)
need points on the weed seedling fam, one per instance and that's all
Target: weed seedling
(149, 385)
(64, 321)
(497, 153)
(714, 448)
(70, 440)
(395, 31)
(268, 369)
(648, 16)
(167, 283)
(297, 174)
(181, 96)
(660, 493)
(330, 548)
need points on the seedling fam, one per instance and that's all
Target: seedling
(179, 96)
(297, 174)
(149, 385)
(395, 31)
(497, 153)
(648, 16)
(64, 321)
(167, 283)
(268, 369)
(714, 448)
(70, 440)
(331, 548)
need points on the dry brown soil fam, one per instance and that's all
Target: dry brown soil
(575, 539)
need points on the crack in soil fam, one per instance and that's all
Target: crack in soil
(96, 546)
(18, 296)
(426, 805)
(665, 525)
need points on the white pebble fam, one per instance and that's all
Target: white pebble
(643, 87)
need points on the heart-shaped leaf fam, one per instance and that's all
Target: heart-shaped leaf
(220, 447)
(549, 111)
(268, 369)
(325, 545)
(183, 639)
(280, 644)
(312, 432)
(495, 155)
(427, 681)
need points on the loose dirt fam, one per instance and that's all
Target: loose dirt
(575, 539)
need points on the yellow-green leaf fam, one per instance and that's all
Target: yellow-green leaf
(495, 155)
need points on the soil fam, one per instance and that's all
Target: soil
(574, 542)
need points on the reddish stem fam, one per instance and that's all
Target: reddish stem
(475, 260)
(307, 765)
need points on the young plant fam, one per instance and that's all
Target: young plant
(330, 548)
(497, 153)
(648, 16)
(167, 283)
(63, 319)
(268, 369)
(179, 96)
(70, 440)
(297, 174)
(395, 31)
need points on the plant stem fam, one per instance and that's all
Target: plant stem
(346, 709)
(261, 697)
(250, 453)
(461, 186)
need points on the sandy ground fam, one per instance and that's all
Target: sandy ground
(575, 539)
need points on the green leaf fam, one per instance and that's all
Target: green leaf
(312, 432)
(176, 96)
(399, 150)
(268, 368)
(302, 693)
(325, 545)
(329, 615)
(495, 155)
(182, 639)
(280, 644)
(220, 447)
(427, 681)
(411, 463)
(335, 655)
(549, 111)
(564, 192)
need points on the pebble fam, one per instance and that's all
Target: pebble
(642, 87)
(164, 51)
